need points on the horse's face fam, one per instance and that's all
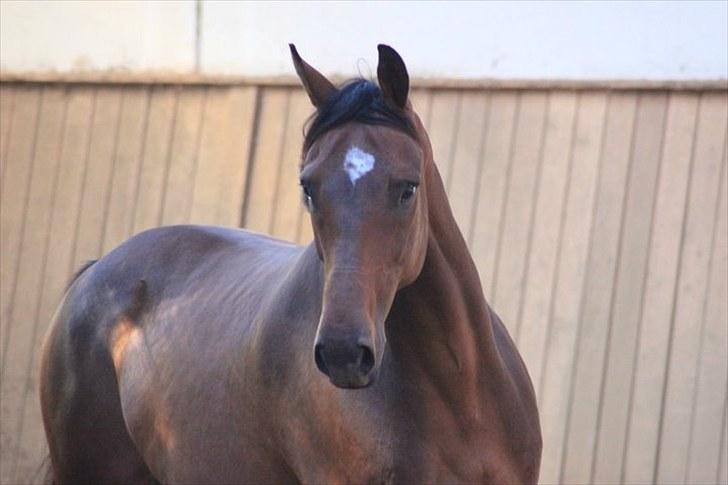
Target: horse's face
(364, 187)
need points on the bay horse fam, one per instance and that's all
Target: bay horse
(213, 355)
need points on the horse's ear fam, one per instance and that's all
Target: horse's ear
(393, 77)
(319, 88)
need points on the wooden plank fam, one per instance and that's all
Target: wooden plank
(492, 184)
(692, 286)
(185, 145)
(65, 210)
(553, 389)
(147, 205)
(18, 156)
(36, 250)
(421, 100)
(703, 456)
(269, 146)
(467, 159)
(98, 177)
(29, 281)
(659, 290)
(222, 162)
(442, 128)
(288, 208)
(593, 362)
(58, 267)
(15, 185)
(601, 269)
(722, 475)
(512, 249)
(119, 219)
(7, 98)
(234, 155)
(627, 300)
(531, 329)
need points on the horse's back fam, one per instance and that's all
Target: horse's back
(167, 278)
(192, 269)
(193, 255)
(154, 321)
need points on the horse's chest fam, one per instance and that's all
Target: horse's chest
(396, 460)
(453, 457)
(432, 461)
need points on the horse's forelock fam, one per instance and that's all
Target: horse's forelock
(357, 100)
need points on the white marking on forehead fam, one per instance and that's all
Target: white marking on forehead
(358, 163)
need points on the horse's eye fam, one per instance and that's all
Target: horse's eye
(409, 191)
(307, 198)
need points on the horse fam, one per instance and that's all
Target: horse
(205, 354)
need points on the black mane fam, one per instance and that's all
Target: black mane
(358, 100)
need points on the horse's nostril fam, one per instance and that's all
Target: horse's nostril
(347, 364)
(367, 359)
(318, 357)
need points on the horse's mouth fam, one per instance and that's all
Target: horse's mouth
(348, 380)
(350, 376)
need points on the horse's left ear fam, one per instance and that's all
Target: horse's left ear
(318, 88)
(393, 77)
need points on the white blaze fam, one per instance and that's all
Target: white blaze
(357, 163)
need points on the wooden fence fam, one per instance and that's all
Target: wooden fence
(597, 219)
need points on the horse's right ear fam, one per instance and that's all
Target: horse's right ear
(318, 88)
(392, 76)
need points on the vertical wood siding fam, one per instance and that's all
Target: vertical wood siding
(597, 221)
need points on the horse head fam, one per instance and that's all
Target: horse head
(363, 179)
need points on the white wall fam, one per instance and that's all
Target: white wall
(97, 35)
(590, 40)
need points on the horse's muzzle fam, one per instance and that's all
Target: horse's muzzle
(348, 364)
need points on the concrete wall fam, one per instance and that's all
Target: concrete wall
(614, 40)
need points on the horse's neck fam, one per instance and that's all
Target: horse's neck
(445, 329)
